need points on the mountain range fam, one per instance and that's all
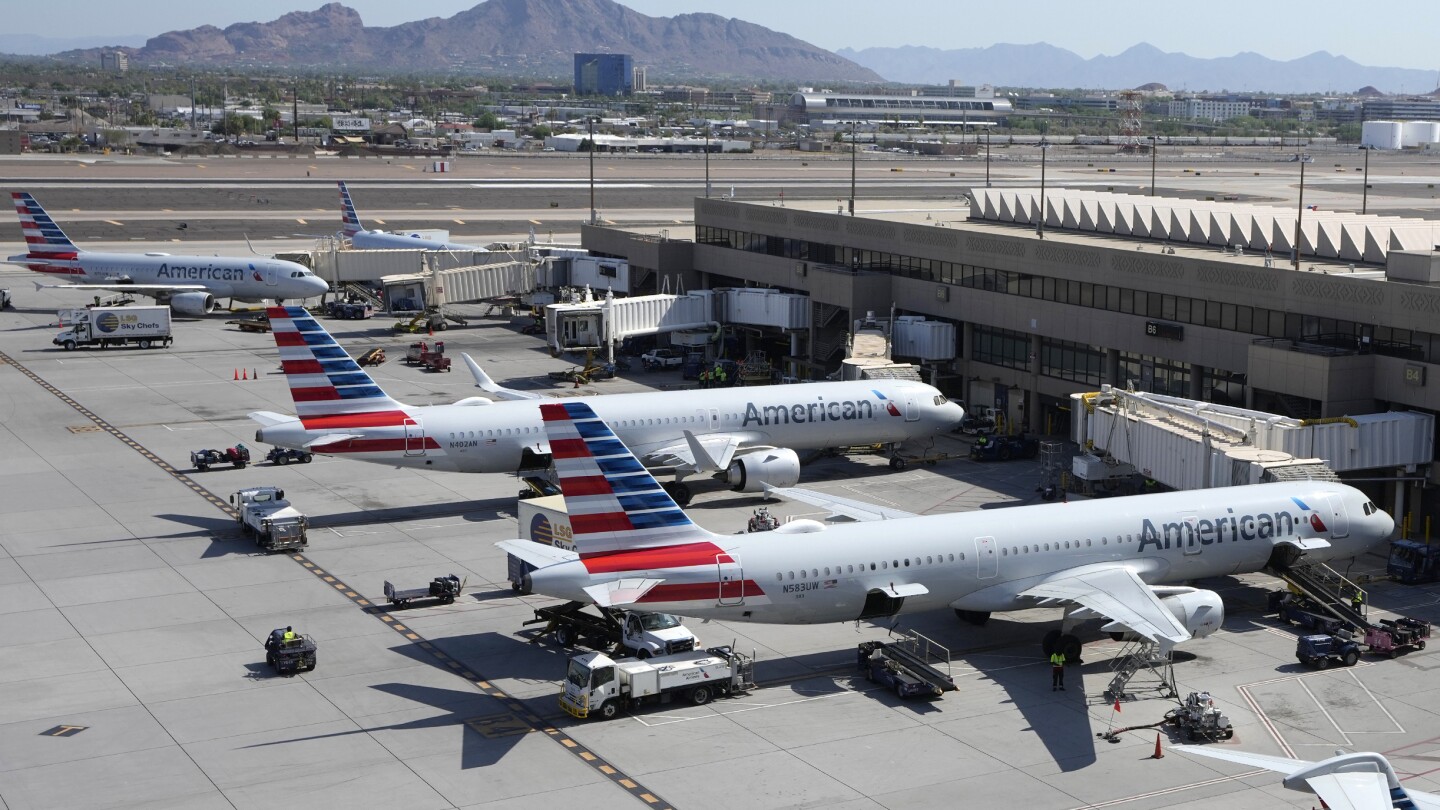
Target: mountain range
(533, 38)
(1046, 66)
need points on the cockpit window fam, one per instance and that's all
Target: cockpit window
(940, 399)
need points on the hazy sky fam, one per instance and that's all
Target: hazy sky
(1380, 32)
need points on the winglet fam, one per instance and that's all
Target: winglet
(703, 460)
(485, 383)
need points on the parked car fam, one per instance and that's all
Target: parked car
(662, 358)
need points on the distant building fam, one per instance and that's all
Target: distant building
(1400, 109)
(604, 74)
(1208, 109)
(114, 61)
(637, 80)
(841, 108)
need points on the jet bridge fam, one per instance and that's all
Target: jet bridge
(1190, 444)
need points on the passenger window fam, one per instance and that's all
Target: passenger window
(872, 566)
(849, 569)
(827, 570)
(1047, 546)
(790, 574)
(895, 563)
(779, 577)
(962, 557)
(884, 564)
(814, 572)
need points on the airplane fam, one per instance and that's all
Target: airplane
(189, 284)
(362, 239)
(1362, 780)
(635, 547)
(749, 435)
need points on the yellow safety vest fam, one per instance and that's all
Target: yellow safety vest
(1057, 659)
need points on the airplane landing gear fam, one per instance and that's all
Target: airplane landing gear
(1064, 642)
(679, 491)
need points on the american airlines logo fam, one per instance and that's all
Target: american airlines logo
(1193, 531)
(837, 410)
(208, 272)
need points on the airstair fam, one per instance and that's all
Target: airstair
(1141, 659)
(1326, 590)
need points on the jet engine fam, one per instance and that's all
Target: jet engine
(776, 466)
(1199, 610)
(193, 303)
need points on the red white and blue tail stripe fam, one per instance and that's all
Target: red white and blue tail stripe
(349, 219)
(44, 241)
(615, 504)
(324, 380)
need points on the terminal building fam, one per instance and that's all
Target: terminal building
(1041, 314)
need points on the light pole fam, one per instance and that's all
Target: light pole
(853, 149)
(591, 122)
(987, 157)
(707, 160)
(1154, 146)
(1300, 211)
(1365, 186)
(1040, 223)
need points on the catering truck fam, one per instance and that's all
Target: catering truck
(596, 684)
(145, 327)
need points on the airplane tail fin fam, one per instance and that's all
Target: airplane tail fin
(614, 503)
(348, 217)
(324, 380)
(43, 238)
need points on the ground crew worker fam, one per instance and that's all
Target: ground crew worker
(705, 378)
(1057, 670)
(1358, 600)
(289, 635)
(720, 376)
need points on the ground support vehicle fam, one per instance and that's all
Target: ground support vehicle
(1413, 563)
(600, 686)
(254, 323)
(349, 310)
(762, 521)
(904, 668)
(290, 657)
(1004, 448)
(1200, 719)
(263, 513)
(1299, 610)
(374, 357)
(425, 322)
(436, 360)
(899, 461)
(645, 634)
(657, 359)
(4, 299)
(202, 460)
(445, 589)
(145, 327)
(1320, 650)
(419, 349)
(978, 424)
(285, 455)
(1389, 637)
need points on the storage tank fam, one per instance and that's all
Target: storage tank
(1380, 134)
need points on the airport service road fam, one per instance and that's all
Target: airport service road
(131, 613)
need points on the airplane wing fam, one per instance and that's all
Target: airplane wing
(1119, 594)
(485, 383)
(709, 453)
(142, 289)
(839, 507)
(1347, 790)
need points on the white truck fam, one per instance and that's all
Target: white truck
(117, 326)
(263, 513)
(596, 684)
(541, 520)
(646, 635)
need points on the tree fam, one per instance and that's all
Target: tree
(540, 132)
(487, 121)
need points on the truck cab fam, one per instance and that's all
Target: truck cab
(264, 513)
(651, 634)
(597, 684)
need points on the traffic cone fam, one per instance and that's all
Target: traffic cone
(254, 375)
(432, 331)
(246, 375)
(1158, 753)
(237, 373)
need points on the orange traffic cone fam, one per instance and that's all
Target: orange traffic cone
(237, 373)
(432, 331)
(246, 375)
(254, 375)
(1158, 753)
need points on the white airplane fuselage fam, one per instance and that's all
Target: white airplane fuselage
(251, 279)
(381, 240)
(482, 436)
(983, 560)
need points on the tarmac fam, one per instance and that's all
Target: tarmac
(132, 613)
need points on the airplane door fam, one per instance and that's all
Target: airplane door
(987, 560)
(1190, 543)
(732, 580)
(912, 409)
(272, 276)
(414, 438)
(714, 419)
(1339, 519)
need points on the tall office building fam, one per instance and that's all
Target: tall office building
(603, 74)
